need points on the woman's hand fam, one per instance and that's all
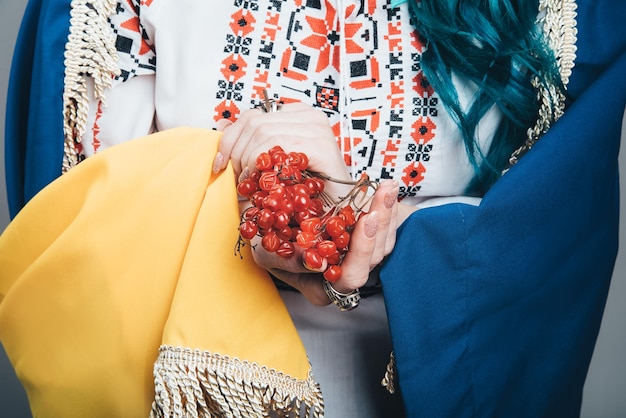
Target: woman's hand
(297, 127)
(373, 238)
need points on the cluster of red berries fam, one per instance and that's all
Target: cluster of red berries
(290, 207)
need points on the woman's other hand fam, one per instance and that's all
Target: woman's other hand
(373, 238)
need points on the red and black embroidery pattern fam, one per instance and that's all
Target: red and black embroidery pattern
(357, 60)
(133, 46)
(312, 51)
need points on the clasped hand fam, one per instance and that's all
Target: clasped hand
(299, 127)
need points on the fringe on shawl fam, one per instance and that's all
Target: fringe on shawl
(89, 52)
(195, 383)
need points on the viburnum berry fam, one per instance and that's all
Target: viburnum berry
(281, 219)
(347, 214)
(301, 202)
(265, 220)
(312, 259)
(326, 248)
(335, 258)
(332, 273)
(270, 241)
(248, 229)
(335, 226)
(342, 240)
(306, 239)
(263, 162)
(312, 225)
(302, 216)
(291, 208)
(286, 249)
(268, 180)
(284, 233)
(246, 188)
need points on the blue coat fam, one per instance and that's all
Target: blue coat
(494, 310)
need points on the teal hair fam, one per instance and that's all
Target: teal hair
(496, 45)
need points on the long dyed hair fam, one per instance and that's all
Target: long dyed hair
(497, 45)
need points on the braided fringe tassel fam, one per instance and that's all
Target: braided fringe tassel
(390, 375)
(194, 383)
(89, 52)
(559, 26)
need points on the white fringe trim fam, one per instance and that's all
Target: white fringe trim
(559, 24)
(558, 18)
(195, 383)
(388, 381)
(89, 52)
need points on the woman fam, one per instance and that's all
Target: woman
(473, 289)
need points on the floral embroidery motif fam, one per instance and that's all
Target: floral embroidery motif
(360, 64)
(345, 62)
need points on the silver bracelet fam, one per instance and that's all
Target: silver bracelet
(344, 301)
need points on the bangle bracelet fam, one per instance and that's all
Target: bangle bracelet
(344, 301)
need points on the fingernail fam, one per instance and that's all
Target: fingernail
(391, 198)
(222, 124)
(217, 162)
(371, 224)
(244, 175)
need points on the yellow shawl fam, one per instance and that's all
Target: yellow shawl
(121, 294)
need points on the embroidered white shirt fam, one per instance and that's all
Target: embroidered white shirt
(193, 62)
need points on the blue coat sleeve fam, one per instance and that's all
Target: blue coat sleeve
(34, 119)
(494, 310)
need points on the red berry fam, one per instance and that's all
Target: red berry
(304, 161)
(334, 258)
(278, 191)
(263, 161)
(271, 202)
(319, 184)
(255, 176)
(305, 239)
(347, 214)
(300, 217)
(285, 233)
(300, 188)
(246, 188)
(270, 241)
(301, 202)
(311, 185)
(332, 273)
(251, 213)
(265, 219)
(287, 207)
(335, 226)
(257, 198)
(268, 180)
(342, 240)
(248, 230)
(312, 225)
(275, 149)
(312, 259)
(326, 248)
(286, 249)
(279, 157)
(316, 206)
(281, 219)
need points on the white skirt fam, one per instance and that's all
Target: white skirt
(349, 353)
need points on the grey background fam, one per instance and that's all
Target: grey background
(605, 390)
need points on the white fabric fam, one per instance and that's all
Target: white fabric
(349, 352)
